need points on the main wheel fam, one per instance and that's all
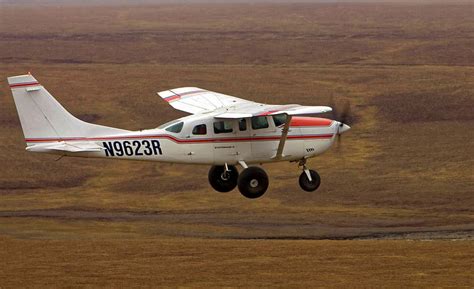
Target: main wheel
(221, 180)
(308, 185)
(253, 182)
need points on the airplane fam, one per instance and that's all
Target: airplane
(222, 131)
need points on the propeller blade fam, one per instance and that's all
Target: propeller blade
(343, 115)
(332, 104)
(346, 114)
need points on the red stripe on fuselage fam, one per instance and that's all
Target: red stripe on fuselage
(178, 140)
(303, 121)
(24, 84)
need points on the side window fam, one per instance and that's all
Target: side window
(279, 119)
(223, 127)
(200, 129)
(259, 122)
(243, 124)
(176, 128)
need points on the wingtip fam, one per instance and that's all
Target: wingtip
(18, 79)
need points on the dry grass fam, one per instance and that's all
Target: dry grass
(238, 264)
(235, 34)
(405, 167)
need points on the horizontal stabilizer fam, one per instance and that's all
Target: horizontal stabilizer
(65, 147)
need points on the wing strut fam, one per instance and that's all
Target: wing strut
(284, 134)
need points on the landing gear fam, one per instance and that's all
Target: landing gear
(223, 178)
(253, 182)
(310, 185)
(309, 179)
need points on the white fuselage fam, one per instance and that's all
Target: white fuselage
(307, 137)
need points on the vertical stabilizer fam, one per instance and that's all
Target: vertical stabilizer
(42, 116)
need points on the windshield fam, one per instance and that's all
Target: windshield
(279, 119)
(176, 128)
(166, 124)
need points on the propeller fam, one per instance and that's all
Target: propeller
(343, 116)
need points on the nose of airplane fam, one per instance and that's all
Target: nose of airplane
(343, 128)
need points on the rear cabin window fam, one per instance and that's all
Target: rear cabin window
(279, 119)
(243, 124)
(259, 122)
(223, 127)
(175, 128)
(200, 129)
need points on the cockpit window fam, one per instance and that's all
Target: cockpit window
(223, 127)
(259, 122)
(243, 124)
(175, 128)
(279, 119)
(200, 129)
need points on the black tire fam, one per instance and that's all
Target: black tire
(253, 182)
(308, 186)
(221, 182)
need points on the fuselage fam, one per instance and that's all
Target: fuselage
(221, 131)
(203, 139)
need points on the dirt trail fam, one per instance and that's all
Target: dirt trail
(268, 229)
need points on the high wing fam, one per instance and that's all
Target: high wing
(267, 109)
(196, 100)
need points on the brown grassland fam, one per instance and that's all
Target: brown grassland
(396, 206)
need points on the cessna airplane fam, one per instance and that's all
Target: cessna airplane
(222, 131)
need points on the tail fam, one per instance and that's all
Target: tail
(43, 118)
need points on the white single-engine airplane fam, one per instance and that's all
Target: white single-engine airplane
(222, 131)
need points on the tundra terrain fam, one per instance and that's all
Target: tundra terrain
(396, 204)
